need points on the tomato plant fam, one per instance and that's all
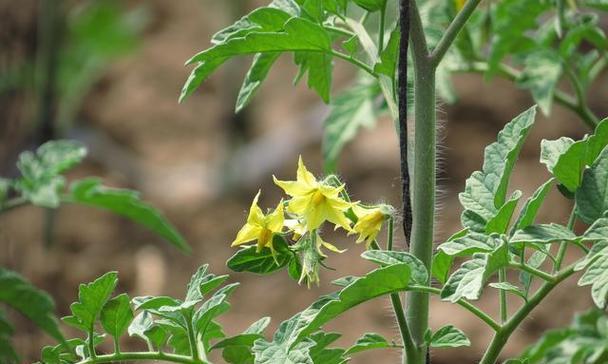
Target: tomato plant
(401, 49)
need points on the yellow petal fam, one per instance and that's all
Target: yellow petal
(256, 216)
(247, 233)
(336, 215)
(314, 217)
(299, 204)
(275, 220)
(328, 246)
(292, 188)
(304, 176)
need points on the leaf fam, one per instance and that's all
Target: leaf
(30, 301)
(202, 283)
(385, 258)
(449, 337)
(144, 327)
(299, 35)
(249, 260)
(485, 190)
(500, 223)
(321, 354)
(530, 210)
(350, 111)
(116, 316)
(262, 63)
(596, 275)
(319, 66)
(592, 197)
(468, 281)
(543, 234)
(387, 64)
(268, 353)
(542, 71)
(508, 287)
(367, 342)
(371, 5)
(598, 230)
(512, 19)
(470, 244)
(7, 352)
(125, 203)
(535, 261)
(40, 181)
(91, 299)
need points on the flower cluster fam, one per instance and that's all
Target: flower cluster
(311, 203)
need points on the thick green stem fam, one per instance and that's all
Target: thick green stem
(423, 196)
(192, 340)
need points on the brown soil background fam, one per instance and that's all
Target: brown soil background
(189, 161)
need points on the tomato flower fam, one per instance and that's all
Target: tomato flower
(370, 222)
(315, 201)
(261, 227)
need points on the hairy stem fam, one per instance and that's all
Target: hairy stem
(139, 356)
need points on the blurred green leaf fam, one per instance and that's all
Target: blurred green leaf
(542, 71)
(371, 5)
(125, 203)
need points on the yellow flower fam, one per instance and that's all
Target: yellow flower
(328, 246)
(315, 201)
(261, 227)
(369, 222)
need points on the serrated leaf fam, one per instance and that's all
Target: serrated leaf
(543, 234)
(321, 354)
(299, 35)
(143, 326)
(469, 280)
(91, 299)
(40, 181)
(592, 197)
(533, 204)
(542, 71)
(153, 302)
(384, 258)
(270, 353)
(387, 64)
(350, 111)
(202, 283)
(116, 315)
(263, 262)
(261, 65)
(485, 191)
(500, 222)
(125, 203)
(368, 341)
(598, 230)
(470, 244)
(319, 67)
(596, 275)
(30, 301)
(449, 337)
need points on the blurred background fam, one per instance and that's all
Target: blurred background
(108, 73)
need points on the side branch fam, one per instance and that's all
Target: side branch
(452, 32)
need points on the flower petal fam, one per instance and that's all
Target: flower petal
(276, 219)
(292, 188)
(247, 233)
(256, 216)
(304, 176)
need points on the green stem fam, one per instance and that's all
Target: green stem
(533, 271)
(91, 343)
(452, 31)
(381, 29)
(563, 246)
(137, 356)
(355, 62)
(192, 340)
(504, 309)
(581, 98)
(502, 336)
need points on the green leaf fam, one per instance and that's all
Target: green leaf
(530, 210)
(592, 197)
(349, 112)
(30, 301)
(7, 352)
(125, 203)
(262, 63)
(4, 187)
(269, 353)
(263, 262)
(468, 281)
(319, 67)
(442, 263)
(543, 234)
(202, 283)
(387, 65)
(500, 223)
(512, 19)
(470, 244)
(368, 341)
(596, 275)
(542, 71)
(40, 181)
(589, 30)
(265, 19)
(384, 258)
(371, 5)
(91, 299)
(299, 35)
(116, 315)
(535, 261)
(485, 191)
(449, 337)
(567, 159)
(508, 287)
(321, 354)
(143, 326)
(598, 230)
